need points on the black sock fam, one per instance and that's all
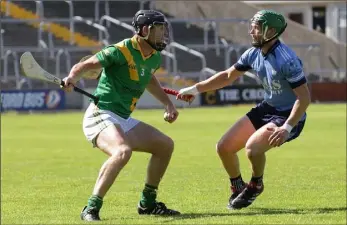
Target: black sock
(237, 183)
(257, 180)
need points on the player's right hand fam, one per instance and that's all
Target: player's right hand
(171, 113)
(69, 84)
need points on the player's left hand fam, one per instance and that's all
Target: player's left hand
(171, 113)
(188, 93)
(278, 137)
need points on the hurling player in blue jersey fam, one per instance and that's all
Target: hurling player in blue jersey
(278, 119)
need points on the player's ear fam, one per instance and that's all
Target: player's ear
(144, 31)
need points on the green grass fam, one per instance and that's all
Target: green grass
(48, 170)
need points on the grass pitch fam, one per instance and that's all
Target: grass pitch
(48, 170)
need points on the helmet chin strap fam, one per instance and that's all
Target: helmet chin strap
(158, 47)
(267, 40)
(264, 41)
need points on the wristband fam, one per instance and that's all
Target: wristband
(194, 90)
(287, 127)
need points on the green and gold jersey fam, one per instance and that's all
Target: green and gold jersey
(126, 73)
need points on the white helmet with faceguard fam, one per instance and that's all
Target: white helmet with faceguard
(158, 36)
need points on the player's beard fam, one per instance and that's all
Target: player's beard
(258, 43)
(262, 39)
(160, 38)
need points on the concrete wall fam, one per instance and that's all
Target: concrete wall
(238, 32)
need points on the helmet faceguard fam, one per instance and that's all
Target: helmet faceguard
(158, 35)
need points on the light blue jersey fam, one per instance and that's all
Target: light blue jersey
(280, 71)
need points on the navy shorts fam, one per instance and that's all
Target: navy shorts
(263, 114)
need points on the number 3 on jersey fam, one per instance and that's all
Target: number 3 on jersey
(133, 104)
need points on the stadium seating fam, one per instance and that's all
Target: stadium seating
(57, 49)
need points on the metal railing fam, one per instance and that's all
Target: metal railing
(15, 64)
(168, 66)
(112, 20)
(49, 35)
(227, 57)
(39, 9)
(55, 49)
(20, 80)
(210, 23)
(97, 9)
(99, 27)
(107, 9)
(213, 24)
(173, 45)
(171, 68)
(43, 46)
(72, 24)
(67, 61)
(46, 26)
(7, 10)
(225, 45)
(2, 31)
(205, 72)
(40, 14)
(207, 25)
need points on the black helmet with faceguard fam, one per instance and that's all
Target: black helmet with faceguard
(158, 25)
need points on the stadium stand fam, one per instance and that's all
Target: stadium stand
(64, 32)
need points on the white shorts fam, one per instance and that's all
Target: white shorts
(95, 120)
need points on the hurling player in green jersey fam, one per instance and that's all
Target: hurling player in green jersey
(126, 71)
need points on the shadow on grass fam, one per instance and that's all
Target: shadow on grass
(257, 211)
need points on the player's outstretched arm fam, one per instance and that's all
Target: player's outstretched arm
(217, 81)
